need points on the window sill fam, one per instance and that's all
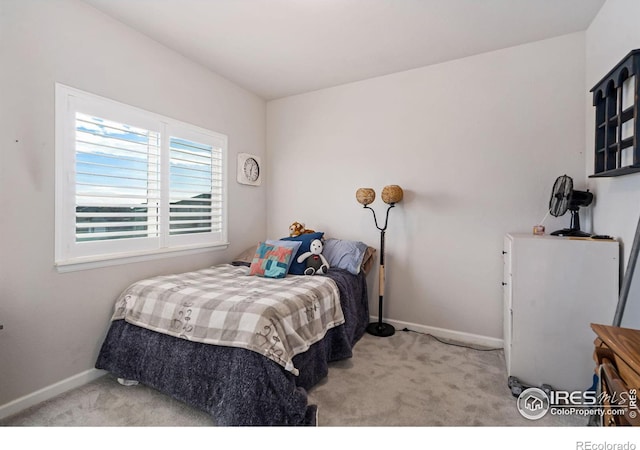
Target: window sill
(76, 264)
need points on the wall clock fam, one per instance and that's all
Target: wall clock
(249, 169)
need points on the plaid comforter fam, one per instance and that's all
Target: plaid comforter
(223, 305)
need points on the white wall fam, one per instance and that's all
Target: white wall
(54, 323)
(612, 35)
(476, 143)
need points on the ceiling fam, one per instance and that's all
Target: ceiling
(277, 48)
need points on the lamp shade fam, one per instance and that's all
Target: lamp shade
(365, 196)
(392, 194)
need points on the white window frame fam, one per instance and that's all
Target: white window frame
(71, 255)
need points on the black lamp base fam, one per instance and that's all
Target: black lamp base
(380, 329)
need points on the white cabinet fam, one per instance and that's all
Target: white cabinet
(554, 288)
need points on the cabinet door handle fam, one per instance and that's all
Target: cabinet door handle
(504, 284)
(503, 252)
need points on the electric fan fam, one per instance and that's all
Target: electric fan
(563, 198)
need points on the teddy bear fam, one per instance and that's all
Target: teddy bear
(297, 228)
(316, 262)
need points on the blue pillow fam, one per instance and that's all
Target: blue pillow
(293, 245)
(296, 267)
(346, 255)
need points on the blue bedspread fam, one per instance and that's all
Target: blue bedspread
(234, 385)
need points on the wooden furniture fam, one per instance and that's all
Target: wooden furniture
(617, 354)
(615, 97)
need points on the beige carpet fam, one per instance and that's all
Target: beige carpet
(408, 379)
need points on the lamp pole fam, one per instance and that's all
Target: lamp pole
(380, 328)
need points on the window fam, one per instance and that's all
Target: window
(131, 184)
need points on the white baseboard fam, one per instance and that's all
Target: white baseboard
(443, 333)
(49, 392)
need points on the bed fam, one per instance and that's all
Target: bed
(164, 335)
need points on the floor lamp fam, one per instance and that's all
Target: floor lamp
(390, 195)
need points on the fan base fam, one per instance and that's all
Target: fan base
(570, 232)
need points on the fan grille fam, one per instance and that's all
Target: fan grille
(560, 195)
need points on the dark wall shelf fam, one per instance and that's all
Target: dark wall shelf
(617, 172)
(615, 97)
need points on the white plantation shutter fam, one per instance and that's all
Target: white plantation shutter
(195, 187)
(130, 182)
(196, 184)
(117, 180)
